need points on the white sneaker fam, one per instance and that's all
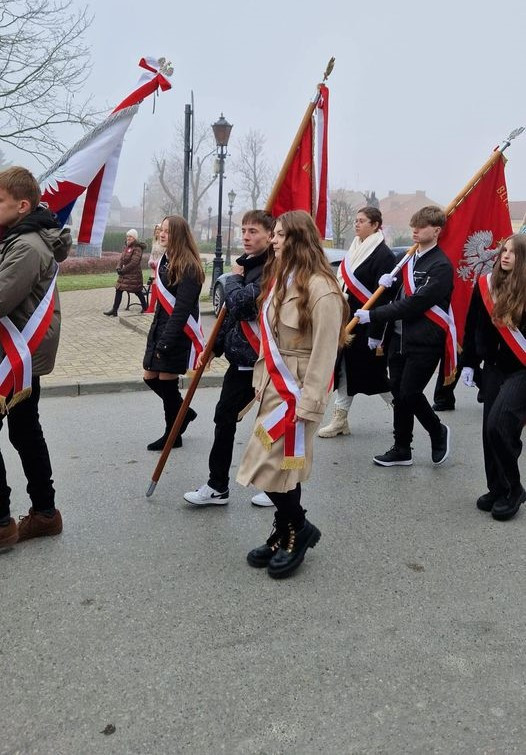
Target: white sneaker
(261, 499)
(206, 496)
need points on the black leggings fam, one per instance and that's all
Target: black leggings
(288, 507)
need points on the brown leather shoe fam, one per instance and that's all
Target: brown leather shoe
(8, 534)
(39, 525)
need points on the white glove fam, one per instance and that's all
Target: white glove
(387, 280)
(467, 376)
(363, 316)
(373, 343)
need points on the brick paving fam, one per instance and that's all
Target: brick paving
(95, 349)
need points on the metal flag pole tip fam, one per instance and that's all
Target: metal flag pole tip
(151, 488)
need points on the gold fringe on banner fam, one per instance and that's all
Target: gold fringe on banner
(3, 406)
(293, 462)
(263, 436)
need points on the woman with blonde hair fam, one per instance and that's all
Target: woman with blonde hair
(496, 333)
(174, 339)
(303, 317)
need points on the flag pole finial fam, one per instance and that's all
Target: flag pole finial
(328, 70)
(516, 132)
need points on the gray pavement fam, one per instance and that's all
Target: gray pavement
(401, 633)
(99, 354)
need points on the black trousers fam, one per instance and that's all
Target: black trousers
(445, 394)
(409, 374)
(118, 298)
(503, 419)
(25, 434)
(236, 393)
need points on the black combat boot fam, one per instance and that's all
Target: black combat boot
(259, 557)
(292, 549)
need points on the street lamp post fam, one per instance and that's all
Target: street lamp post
(231, 199)
(221, 129)
(209, 218)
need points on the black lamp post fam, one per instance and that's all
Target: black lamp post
(209, 218)
(231, 199)
(221, 129)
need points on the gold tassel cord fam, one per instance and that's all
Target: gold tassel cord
(3, 406)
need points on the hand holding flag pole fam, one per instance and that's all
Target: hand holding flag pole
(450, 209)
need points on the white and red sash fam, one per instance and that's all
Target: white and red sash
(19, 346)
(512, 336)
(445, 320)
(192, 327)
(355, 286)
(252, 333)
(280, 421)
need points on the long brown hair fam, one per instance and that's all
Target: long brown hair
(302, 256)
(509, 287)
(181, 251)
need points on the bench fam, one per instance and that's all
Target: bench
(145, 290)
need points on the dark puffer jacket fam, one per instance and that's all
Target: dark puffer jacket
(168, 346)
(129, 267)
(241, 293)
(29, 254)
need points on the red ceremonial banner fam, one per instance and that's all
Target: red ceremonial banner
(472, 235)
(295, 193)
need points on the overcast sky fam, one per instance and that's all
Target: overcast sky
(420, 93)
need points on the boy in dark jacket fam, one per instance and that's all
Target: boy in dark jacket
(31, 246)
(417, 342)
(238, 340)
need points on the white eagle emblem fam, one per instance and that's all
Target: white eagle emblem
(478, 256)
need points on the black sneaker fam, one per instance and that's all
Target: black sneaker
(443, 406)
(440, 447)
(507, 506)
(396, 456)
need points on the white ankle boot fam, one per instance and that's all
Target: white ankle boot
(337, 426)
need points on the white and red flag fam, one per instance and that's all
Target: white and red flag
(302, 183)
(91, 165)
(474, 229)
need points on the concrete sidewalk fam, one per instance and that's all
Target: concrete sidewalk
(99, 354)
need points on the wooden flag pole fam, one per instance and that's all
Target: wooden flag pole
(297, 139)
(452, 206)
(181, 414)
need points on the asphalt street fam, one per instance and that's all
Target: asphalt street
(141, 629)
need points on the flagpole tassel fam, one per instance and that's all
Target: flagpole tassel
(3, 406)
(18, 397)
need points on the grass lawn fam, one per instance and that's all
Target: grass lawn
(102, 280)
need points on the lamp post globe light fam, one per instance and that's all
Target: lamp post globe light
(221, 129)
(231, 200)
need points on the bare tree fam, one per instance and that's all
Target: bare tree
(169, 170)
(343, 211)
(252, 168)
(44, 63)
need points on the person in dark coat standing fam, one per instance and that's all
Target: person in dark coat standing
(130, 273)
(169, 345)
(496, 333)
(362, 367)
(421, 331)
(238, 340)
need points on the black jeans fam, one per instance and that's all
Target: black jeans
(236, 393)
(503, 419)
(409, 374)
(25, 434)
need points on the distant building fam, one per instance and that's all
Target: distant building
(517, 214)
(397, 210)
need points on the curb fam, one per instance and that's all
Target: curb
(75, 388)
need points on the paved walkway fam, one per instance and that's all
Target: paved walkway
(101, 354)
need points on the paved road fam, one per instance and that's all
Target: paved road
(403, 632)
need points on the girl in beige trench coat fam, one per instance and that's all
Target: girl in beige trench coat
(303, 319)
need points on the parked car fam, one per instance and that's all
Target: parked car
(334, 256)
